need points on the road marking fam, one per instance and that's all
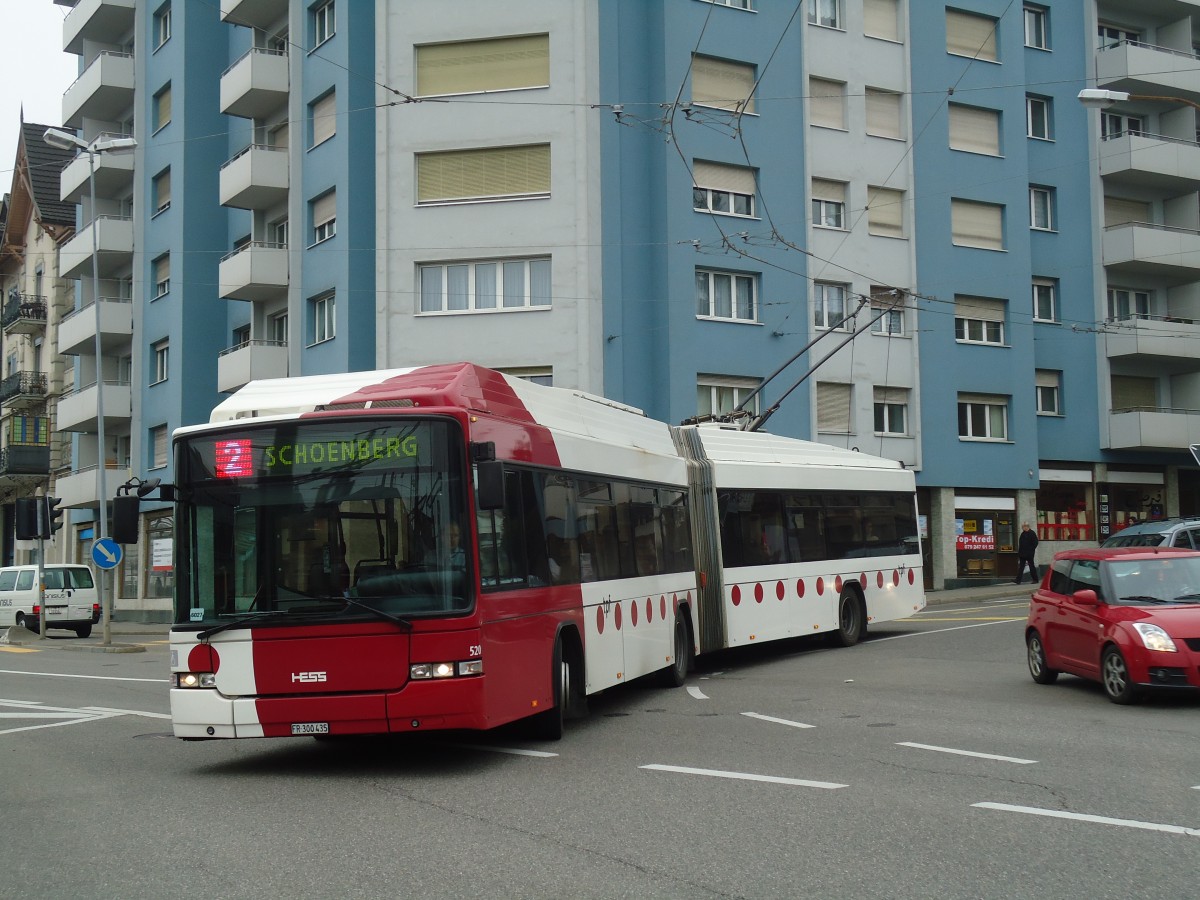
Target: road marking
(896, 637)
(1011, 759)
(696, 692)
(1099, 820)
(746, 776)
(978, 619)
(128, 712)
(89, 677)
(754, 715)
(64, 715)
(513, 751)
(7, 649)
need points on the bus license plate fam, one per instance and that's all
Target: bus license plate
(310, 728)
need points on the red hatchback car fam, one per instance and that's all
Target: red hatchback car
(1128, 617)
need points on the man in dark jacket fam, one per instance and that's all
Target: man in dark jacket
(1026, 545)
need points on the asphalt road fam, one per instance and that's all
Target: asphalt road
(922, 763)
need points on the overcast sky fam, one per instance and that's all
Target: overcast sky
(34, 72)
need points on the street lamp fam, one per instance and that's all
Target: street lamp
(1095, 98)
(65, 140)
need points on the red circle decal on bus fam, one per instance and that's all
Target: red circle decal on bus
(800, 588)
(600, 619)
(649, 610)
(662, 605)
(736, 595)
(820, 585)
(780, 590)
(758, 593)
(632, 613)
(911, 577)
(617, 616)
(896, 577)
(879, 579)
(837, 584)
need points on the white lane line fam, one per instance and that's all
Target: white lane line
(746, 776)
(127, 712)
(754, 715)
(911, 634)
(1011, 759)
(696, 693)
(512, 751)
(90, 677)
(1099, 820)
(39, 715)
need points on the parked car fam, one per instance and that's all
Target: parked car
(1159, 533)
(1128, 617)
(68, 592)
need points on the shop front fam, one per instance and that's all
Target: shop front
(985, 536)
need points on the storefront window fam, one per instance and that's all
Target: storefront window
(1130, 504)
(1063, 513)
(980, 537)
(158, 562)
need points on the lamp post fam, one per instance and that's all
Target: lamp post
(65, 140)
(1094, 98)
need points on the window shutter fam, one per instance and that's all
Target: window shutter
(498, 64)
(891, 395)
(736, 179)
(823, 189)
(725, 85)
(833, 407)
(880, 19)
(979, 308)
(162, 269)
(324, 208)
(162, 105)
(479, 174)
(1045, 378)
(1119, 212)
(827, 103)
(162, 189)
(160, 445)
(883, 114)
(324, 118)
(1131, 392)
(974, 130)
(970, 35)
(977, 224)
(885, 212)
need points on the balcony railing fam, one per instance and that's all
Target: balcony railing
(23, 307)
(23, 384)
(21, 459)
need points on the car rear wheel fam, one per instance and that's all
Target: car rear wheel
(84, 630)
(1114, 675)
(1036, 656)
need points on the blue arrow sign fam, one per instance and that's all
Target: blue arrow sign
(106, 553)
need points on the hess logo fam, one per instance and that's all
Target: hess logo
(308, 677)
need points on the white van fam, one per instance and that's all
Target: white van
(69, 596)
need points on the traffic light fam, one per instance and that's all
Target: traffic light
(125, 514)
(27, 519)
(52, 520)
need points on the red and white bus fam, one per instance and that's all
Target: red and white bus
(452, 547)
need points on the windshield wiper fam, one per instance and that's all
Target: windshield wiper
(1188, 597)
(259, 616)
(403, 623)
(1143, 598)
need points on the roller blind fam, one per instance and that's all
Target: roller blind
(1131, 392)
(977, 224)
(725, 85)
(324, 118)
(885, 212)
(324, 208)
(823, 189)
(162, 269)
(988, 399)
(497, 64)
(827, 103)
(891, 395)
(162, 107)
(974, 130)
(1118, 211)
(883, 114)
(719, 177)
(970, 35)
(979, 308)
(833, 407)
(162, 190)
(1045, 378)
(880, 19)
(479, 174)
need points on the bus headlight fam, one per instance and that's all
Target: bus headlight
(424, 671)
(195, 680)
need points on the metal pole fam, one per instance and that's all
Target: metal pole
(101, 529)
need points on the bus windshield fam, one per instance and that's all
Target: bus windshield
(330, 519)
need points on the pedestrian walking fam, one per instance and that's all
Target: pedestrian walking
(1026, 547)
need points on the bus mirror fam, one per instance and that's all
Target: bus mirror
(489, 486)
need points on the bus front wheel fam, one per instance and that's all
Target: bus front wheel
(549, 725)
(851, 620)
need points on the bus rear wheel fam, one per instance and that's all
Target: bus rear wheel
(676, 673)
(851, 620)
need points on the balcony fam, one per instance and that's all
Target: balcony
(21, 390)
(1167, 344)
(1151, 160)
(114, 240)
(80, 489)
(256, 178)
(24, 314)
(253, 359)
(256, 84)
(77, 331)
(102, 21)
(254, 13)
(1146, 69)
(77, 410)
(1141, 248)
(1149, 428)
(25, 460)
(104, 90)
(114, 174)
(257, 271)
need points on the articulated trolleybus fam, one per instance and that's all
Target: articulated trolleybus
(450, 547)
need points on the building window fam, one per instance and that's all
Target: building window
(891, 410)
(277, 231)
(277, 327)
(1045, 300)
(978, 320)
(725, 295)
(494, 173)
(722, 84)
(1133, 392)
(159, 446)
(161, 352)
(162, 25)
(885, 212)
(324, 216)
(971, 35)
(828, 203)
(982, 417)
(495, 64)
(161, 108)
(1124, 304)
(543, 375)
(1041, 208)
(1037, 117)
(881, 19)
(1037, 34)
(162, 275)
(974, 130)
(323, 24)
(1113, 125)
(717, 394)
(829, 304)
(322, 115)
(884, 114)
(736, 4)
(323, 324)
(469, 286)
(887, 311)
(834, 406)
(722, 189)
(974, 224)
(826, 13)
(161, 191)
(1112, 35)
(827, 103)
(241, 336)
(1048, 384)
